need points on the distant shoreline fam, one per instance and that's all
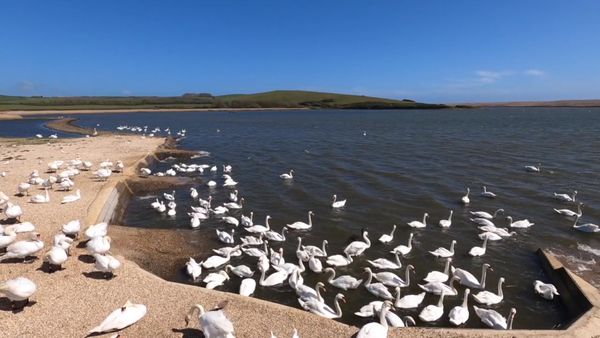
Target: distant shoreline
(591, 103)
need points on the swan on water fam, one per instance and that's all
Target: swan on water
(446, 223)
(287, 176)
(195, 221)
(465, 199)
(306, 293)
(275, 278)
(235, 205)
(431, 312)
(490, 236)
(211, 184)
(257, 229)
(344, 282)
(225, 237)
(323, 310)
(482, 221)
(404, 249)
(377, 289)
(460, 314)
(565, 197)
(495, 320)
(241, 271)
(490, 298)
(19, 289)
(534, 169)
(587, 227)
(233, 196)
(467, 279)
(106, 264)
(247, 287)
(376, 330)
(214, 323)
(443, 252)
(24, 248)
(193, 269)
(478, 251)
(417, 224)
(215, 279)
(546, 290)
(72, 198)
(437, 276)
(356, 248)
(216, 261)
(232, 251)
(247, 221)
(337, 204)
(524, 223)
(126, 315)
(299, 225)
(408, 301)
(339, 260)
(486, 193)
(315, 264)
(384, 263)
(385, 238)
(570, 213)
(251, 240)
(484, 214)
(316, 251)
(437, 287)
(275, 236)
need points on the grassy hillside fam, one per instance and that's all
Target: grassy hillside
(274, 99)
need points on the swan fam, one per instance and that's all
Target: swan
(393, 280)
(437, 287)
(241, 271)
(286, 176)
(437, 276)
(23, 227)
(193, 269)
(344, 282)
(408, 301)
(315, 264)
(337, 204)
(220, 210)
(233, 251)
(56, 256)
(524, 223)
(215, 279)
(247, 221)
(40, 198)
(376, 330)
(277, 256)
(570, 213)
(484, 214)
(121, 318)
(467, 279)
(546, 290)
(275, 278)
(385, 238)
(443, 252)
(489, 236)
(321, 309)
(214, 323)
(299, 225)
(216, 261)
(8, 237)
(247, 287)
(231, 220)
(169, 197)
(13, 211)
(234, 205)
(72, 198)
(251, 240)
(431, 312)
(316, 251)
(193, 193)
(107, 264)
(161, 208)
(276, 237)
(213, 169)
(23, 189)
(211, 184)
(96, 230)
(495, 320)
(446, 223)
(383, 263)
(233, 196)
(290, 267)
(478, 251)
(145, 172)
(460, 314)
(565, 197)
(339, 260)
(103, 174)
(587, 227)
(417, 224)
(100, 245)
(465, 199)
(306, 293)
(490, 298)
(225, 237)
(377, 289)
(404, 249)
(195, 221)
(502, 232)
(534, 169)
(486, 193)
(72, 228)
(482, 221)
(356, 248)
(24, 248)
(18, 289)
(260, 228)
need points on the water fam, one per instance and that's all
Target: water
(409, 162)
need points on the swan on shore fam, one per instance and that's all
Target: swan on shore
(72, 228)
(19, 289)
(96, 230)
(40, 198)
(107, 264)
(214, 323)
(126, 315)
(24, 248)
(72, 198)
(56, 257)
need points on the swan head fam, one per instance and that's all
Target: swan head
(410, 267)
(509, 218)
(320, 285)
(311, 213)
(328, 270)
(501, 280)
(487, 266)
(340, 297)
(453, 241)
(513, 312)
(367, 269)
(334, 197)
(426, 215)
(224, 274)
(325, 242)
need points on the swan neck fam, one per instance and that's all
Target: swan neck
(510, 321)
(338, 309)
(382, 315)
(500, 292)
(465, 300)
(369, 278)
(331, 276)
(407, 275)
(483, 274)
(447, 267)
(309, 219)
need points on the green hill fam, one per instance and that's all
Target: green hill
(273, 99)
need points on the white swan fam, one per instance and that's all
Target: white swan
(40, 198)
(24, 248)
(8, 237)
(358, 247)
(252, 240)
(486, 193)
(482, 221)
(570, 213)
(467, 279)
(315, 264)
(546, 290)
(404, 249)
(377, 289)
(485, 214)
(257, 229)
(225, 237)
(235, 205)
(215, 279)
(587, 227)
(98, 245)
(247, 221)
(490, 298)
(306, 293)
(565, 197)
(443, 252)
(72, 228)
(437, 276)
(337, 204)
(437, 288)
(18, 290)
(460, 314)
(491, 236)
(13, 211)
(56, 256)
(121, 318)
(211, 184)
(431, 312)
(96, 230)
(384, 263)
(321, 309)
(216, 261)
(376, 330)
(299, 225)
(446, 223)
(495, 320)
(193, 269)
(169, 197)
(72, 198)
(275, 236)
(214, 323)
(344, 282)
(23, 189)
(275, 278)
(385, 238)
(339, 260)
(286, 176)
(524, 223)
(502, 232)
(534, 169)
(316, 251)
(193, 193)
(478, 251)
(233, 196)
(106, 264)
(233, 251)
(408, 301)
(247, 287)
(242, 271)
(417, 224)
(465, 199)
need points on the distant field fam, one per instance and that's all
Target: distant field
(274, 99)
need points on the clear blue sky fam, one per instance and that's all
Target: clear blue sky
(438, 51)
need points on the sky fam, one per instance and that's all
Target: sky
(432, 51)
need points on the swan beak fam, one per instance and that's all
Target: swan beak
(343, 300)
